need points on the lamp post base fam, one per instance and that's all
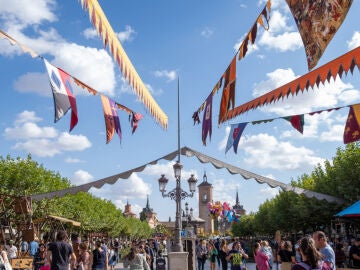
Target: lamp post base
(178, 260)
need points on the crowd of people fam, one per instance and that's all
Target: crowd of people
(309, 252)
(83, 254)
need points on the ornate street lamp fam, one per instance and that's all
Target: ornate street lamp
(177, 194)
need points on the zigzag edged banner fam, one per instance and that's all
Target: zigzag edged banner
(109, 37)
(338, 66)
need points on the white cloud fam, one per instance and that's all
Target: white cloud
(288, 41)
(265, 151)
(225, 189)
(27, 116)
(279, 23)
(335, 134)
(355, 41)
(275, 79)
(275, 4)
(90, 33)
(131, 188)
(171, 75)
(207, 32)
(33, 82)
(167, 169)
(251, 47)
(127, 35)
(42, 141)
(21, 12)
(92, 66)
(325, 96)
(223, 142)
(280, 35)
(81, 177)
(153, 91)
(268, 192)
(73, 160)
(29, 130)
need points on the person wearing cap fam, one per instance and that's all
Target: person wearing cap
(354, 254)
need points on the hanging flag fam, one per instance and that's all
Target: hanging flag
(109, 37)
(297, 121)
(339, 66)
(135, 118)
(112, 121)
(228, 95)
(62, 93)
(207, 119)
(234, 136)
(352, 127)
(317, 22)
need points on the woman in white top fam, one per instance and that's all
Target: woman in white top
(136, 260)
(4, 258)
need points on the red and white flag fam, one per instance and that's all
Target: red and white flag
(62, 93)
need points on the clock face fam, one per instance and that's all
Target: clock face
(204, 198)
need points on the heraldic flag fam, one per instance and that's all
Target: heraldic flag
(352, 127)
(62, 93)
(234, 136)
(112, 121)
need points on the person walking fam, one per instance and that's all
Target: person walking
(261, 259)
(223, 251)
(310, 256)
(4, 260)
(325, 249)
(99, 259)
(213, 253)
(84, 260)
(236, 256)
(60, 253)
(135, 260)
(201, 254)
(286, 256)
(40, 257)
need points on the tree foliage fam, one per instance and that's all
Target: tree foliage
(25, 177)
(291, 213)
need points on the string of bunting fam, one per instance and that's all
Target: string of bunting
(60, 82)
(343, 64)
(242, 49)
(316, 33)
(351, 131)
(110, 40)
(228, 79)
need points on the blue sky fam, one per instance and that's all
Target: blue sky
(192, 40)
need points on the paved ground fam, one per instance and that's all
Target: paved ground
(250, 266)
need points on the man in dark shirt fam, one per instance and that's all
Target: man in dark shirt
(60, 253)
(354, 254)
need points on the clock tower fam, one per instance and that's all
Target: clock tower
(205, 196)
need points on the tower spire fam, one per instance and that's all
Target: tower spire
(204, 177)
(237, 197)
(147, 202)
